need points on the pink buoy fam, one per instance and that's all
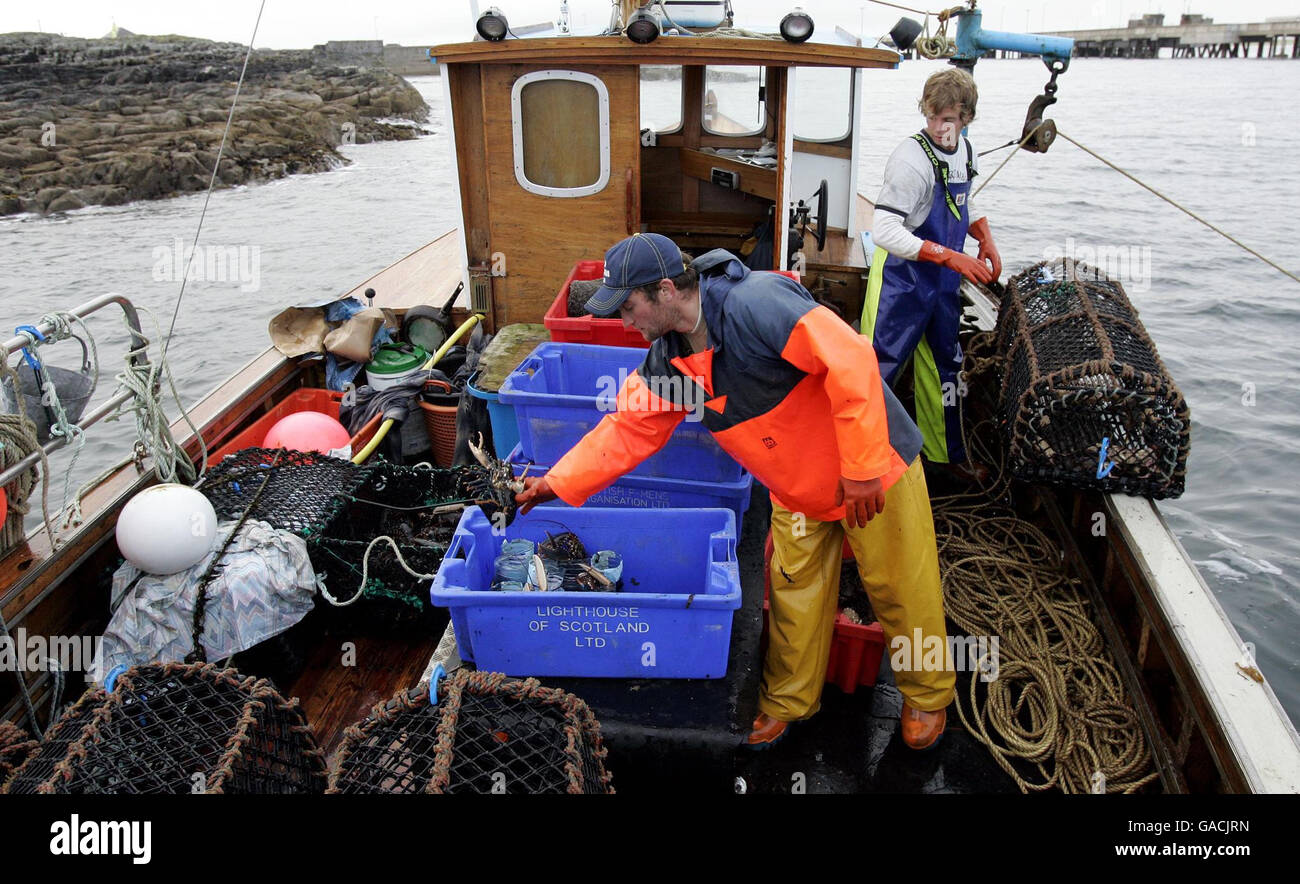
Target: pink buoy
(308, 431)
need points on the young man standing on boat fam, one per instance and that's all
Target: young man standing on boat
(794, 395)
(913, 305)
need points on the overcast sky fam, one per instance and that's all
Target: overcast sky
(288, 24)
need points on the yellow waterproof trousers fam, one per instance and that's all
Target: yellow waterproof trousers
(899, 566)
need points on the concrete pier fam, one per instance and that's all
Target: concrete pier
(1195, 36)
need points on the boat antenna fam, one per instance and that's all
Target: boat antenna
(212, 181)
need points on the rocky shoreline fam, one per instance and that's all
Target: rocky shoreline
(104, 122)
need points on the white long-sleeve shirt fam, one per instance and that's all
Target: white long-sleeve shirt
(910, 190)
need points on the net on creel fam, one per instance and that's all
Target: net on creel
(1085, 399)
(488, 734)
(177, 728)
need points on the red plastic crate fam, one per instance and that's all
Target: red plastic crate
(305, 399)
(856, 648)
(588, 329)
(591, 329)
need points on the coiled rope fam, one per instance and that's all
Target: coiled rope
(17, 441)
(1056, 716)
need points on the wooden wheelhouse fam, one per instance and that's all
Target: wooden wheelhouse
(566, 145)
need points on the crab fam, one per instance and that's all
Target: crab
(497, 485)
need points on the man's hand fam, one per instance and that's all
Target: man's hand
(972, 269)
(988, 250)
(536, 490)
(862, 500)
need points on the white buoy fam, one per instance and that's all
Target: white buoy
(166, 529)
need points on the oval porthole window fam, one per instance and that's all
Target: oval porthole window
(561, 133)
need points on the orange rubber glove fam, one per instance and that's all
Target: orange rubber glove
(988, 251)
(536, 490)
(972, 269)
(862, 500)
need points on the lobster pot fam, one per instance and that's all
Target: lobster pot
(15, 746)
(304, 492)
(399, 502)
(177, 729)
(1085, 399)
(486, 735)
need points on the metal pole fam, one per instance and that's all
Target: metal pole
(139, 357)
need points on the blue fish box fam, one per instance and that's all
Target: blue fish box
(648, 492)
(561, 391)
(681, 586)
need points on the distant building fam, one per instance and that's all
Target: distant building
(1195, 19)
(1151, 20)
(118, 33)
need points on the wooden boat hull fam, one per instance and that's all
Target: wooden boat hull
(1213, 726)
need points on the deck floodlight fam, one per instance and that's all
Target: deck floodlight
(643, 27)
(904, 33)
(492, 25)
(797, 26)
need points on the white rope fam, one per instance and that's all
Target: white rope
(365, 572)
(151, 423)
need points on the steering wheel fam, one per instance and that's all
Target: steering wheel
(805, 213)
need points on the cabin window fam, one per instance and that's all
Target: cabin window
(561, 133)
(822, 109)
(661, 97)
(732, 105)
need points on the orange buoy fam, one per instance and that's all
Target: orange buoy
(308, 431)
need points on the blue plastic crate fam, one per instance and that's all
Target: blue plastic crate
(560, 391)
(505, 430)
(673, 620)
(650, 492)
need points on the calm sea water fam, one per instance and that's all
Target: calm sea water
(1212, 134)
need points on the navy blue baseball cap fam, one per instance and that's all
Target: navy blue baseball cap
(641, 259)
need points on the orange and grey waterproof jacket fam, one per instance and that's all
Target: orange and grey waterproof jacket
(785, 386)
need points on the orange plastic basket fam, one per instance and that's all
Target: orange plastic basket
(440, 421)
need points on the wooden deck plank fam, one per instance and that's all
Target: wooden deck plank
(334, 695)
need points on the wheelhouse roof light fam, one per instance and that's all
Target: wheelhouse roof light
(643, 27)
(797, 26)
(492, 25)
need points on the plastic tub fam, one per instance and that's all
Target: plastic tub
(561, 391)
(505, 427)
(681, 581)
(393, 364)
(649, 492)
(588, 329)
(592, 329)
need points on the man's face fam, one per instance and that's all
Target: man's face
(945, 127)
(651, 318)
